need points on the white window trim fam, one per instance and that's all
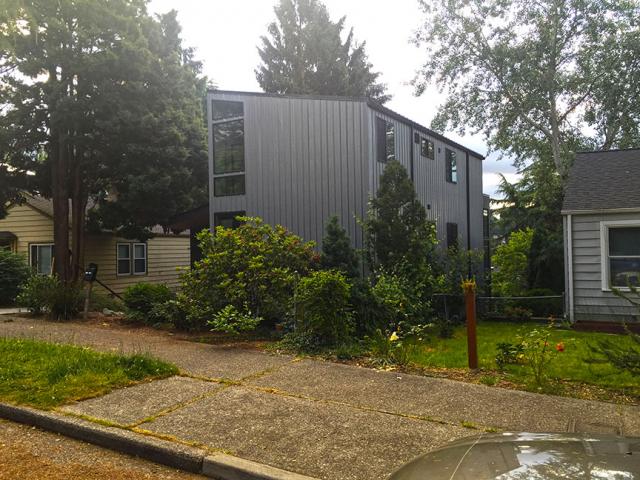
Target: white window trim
(604, 250)
(134, 258)
(52, 245)
(118, 258)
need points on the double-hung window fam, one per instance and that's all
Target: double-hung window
(427, 148)
(41, 258)
(228, 148)
(131, 258)
(620, 254)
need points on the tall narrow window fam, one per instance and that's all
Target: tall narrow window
(427, 149)
(385, 140)
(123, 258)
(452, 235)
(41, 258)
(139, 258)
(228, 147)
(624, 256)
(451, 166)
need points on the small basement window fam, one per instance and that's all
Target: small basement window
(623, 261)
(41, 258)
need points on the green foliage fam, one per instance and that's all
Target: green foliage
(539, 353)
(390, 349)
(337, 252)
(510, 262)
(119, 109)
(253, 267)
(47, 294)
(509, 353)
(45, 375)
(305, 53)
(14, 271)
(321, 307)
(141, 299)
(101, 300)
(173, 311)
(454, 265)
(624, 357)
(231, 320)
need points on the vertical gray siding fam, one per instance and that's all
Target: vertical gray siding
(304, 161)
(307, 159)
(591, 302)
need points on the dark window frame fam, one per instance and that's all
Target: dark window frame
(385, 140)
(452, 235)
(451, 164)
(216, 123)
(430, 150)
(216, 180)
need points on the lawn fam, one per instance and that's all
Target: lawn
(46, 375)
(566, 367)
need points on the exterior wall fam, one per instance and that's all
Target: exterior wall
(29, 225)
(309, 158)
(304, 161)
(445, 202)
(583, 257)
(164, 253)
(166, 256)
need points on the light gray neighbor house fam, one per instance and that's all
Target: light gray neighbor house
(601, 220)
(296, 160)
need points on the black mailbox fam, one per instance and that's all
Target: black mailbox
(91, 272)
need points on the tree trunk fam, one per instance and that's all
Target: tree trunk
(79, 201)
(60, 197)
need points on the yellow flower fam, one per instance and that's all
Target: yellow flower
(394, 337)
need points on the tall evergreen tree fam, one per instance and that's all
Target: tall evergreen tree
(102, 106)
(304, 54)
(398, 233)
(337, 251)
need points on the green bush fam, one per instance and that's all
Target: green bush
(34, 293)
(44, 294)
(321, 307)
(141, 298)
(510, 261)
(14, 272)
(231, 320)
(542, 307)
(399, 301)
(253, 267)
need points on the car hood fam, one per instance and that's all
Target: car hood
(529, 456)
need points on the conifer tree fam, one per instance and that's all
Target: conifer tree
(337, 251)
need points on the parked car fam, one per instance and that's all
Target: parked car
(528, 456)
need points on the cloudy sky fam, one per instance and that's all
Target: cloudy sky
(226, 33)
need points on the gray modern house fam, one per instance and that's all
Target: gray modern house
(296, 160)
(601, 220)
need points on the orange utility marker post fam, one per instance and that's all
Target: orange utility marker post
(469, 288)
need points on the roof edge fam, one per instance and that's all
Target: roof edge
(370, 103)
(593, 211)
(587, 152)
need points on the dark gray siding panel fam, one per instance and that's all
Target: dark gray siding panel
(591, 302)
(304, 161)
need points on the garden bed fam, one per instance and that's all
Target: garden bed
(45, 375)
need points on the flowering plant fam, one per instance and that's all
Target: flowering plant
(537, 352)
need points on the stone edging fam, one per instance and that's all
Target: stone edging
(183, 457)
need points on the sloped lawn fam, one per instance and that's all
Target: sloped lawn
(45, 375)
(567, 367)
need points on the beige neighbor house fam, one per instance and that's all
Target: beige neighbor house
(28, 229)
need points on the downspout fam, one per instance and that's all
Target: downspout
(468, 213)
(412, 140)
(569, 227)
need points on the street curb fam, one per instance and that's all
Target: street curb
(183, 457)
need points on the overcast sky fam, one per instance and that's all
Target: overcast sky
(226, 33)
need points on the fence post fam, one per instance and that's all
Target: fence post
(469, 289)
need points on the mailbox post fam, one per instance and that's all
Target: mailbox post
(90, 275)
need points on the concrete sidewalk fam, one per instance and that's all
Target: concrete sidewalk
(316, 418)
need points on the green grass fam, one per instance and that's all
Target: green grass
(569, 365)
(45, 375)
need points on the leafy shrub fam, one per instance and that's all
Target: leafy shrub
(399, 301)
(101, 300)
(510, 262)
(337, 253)
(538, 353)
(232, 320)
(34, 293)
(509, 353)
(518, 313)
(542, 307)
(391, 348)
(14, 272)
(321, 307)
(172, 311)
(44, 294)
(253, 267)
(141, 298)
